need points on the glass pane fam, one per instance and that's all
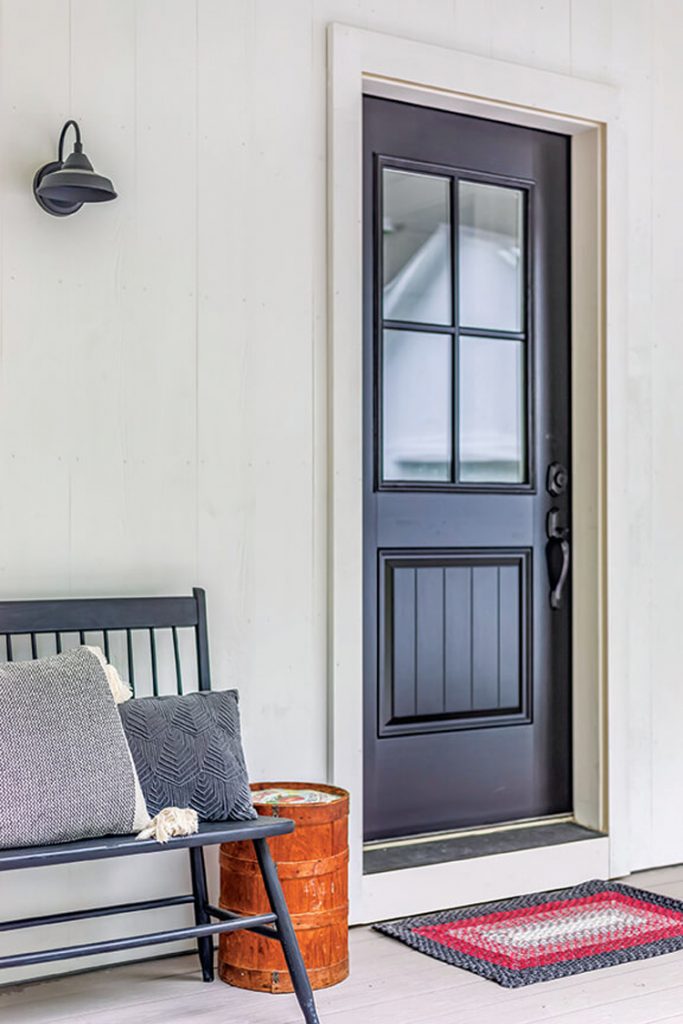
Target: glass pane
(416, 406)
(492, 411)
(491, 237)
(416, 233)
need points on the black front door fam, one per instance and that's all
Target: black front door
(466, 471)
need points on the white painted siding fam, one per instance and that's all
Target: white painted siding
(163, 358)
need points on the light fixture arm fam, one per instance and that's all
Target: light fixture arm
(78, 147)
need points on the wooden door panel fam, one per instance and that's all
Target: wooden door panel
(454, 640)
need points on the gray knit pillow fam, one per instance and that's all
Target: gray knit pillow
(66, 772)
(188, 753)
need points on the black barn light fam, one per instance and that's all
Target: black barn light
(61, 187)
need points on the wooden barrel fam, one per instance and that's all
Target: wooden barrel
(312, 863)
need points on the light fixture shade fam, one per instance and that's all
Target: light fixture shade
(63, 186)
(68, 187)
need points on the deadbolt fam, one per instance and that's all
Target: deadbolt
(557, 480)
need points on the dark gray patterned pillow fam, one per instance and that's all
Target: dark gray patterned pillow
(65, 768)
(188, 753)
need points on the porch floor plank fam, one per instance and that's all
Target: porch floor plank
(389, 984)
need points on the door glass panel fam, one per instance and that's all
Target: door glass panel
(492, 411)
(416, 234)
(416, 406)
(491, 256)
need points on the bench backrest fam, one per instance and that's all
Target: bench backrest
(158, 644)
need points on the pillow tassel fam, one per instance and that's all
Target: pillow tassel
(171, 821)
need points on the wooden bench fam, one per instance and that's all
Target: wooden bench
(43, 627)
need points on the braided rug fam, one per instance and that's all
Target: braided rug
(548, 935)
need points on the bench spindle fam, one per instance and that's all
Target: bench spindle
(176, 656)
(153, 655)
(129, 655)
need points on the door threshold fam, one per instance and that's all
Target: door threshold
(419, 851)
(473, 830)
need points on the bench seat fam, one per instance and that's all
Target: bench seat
(210, 833)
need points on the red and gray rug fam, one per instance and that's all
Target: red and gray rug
(548, 934)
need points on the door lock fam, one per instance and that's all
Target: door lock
(557, 479)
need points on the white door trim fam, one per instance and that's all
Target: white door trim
(361, 61)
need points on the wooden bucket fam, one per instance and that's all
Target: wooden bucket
(312, 864)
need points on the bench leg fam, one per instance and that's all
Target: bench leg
(201, 913)
(290, 945)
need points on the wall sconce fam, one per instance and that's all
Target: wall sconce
(61, 187)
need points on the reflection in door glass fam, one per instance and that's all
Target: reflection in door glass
(492, 436)
(416, 237)
(416, 406)
(491, 246)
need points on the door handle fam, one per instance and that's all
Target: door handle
(557, 556)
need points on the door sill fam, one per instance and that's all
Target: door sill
(419, 851)
(492, 876)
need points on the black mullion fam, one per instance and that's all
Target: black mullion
(455, 347)
(419, 326)
(498, 335)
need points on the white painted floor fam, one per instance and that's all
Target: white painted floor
(389, 984)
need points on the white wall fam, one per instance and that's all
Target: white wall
(163, 358)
